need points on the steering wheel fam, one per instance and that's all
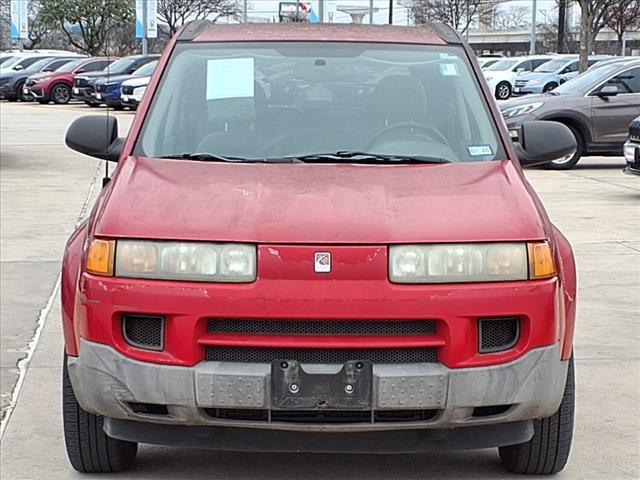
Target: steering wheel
(427, 131)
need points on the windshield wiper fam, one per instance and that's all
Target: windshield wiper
(211, 157)
(365, 157)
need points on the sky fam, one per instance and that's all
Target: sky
(269, 8)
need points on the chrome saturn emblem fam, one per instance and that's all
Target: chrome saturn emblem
(322, 262)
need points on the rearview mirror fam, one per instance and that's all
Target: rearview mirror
(608, 91)
(96, 136)
(541, 142)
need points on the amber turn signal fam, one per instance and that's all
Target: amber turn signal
(100, 257)
(541, 264)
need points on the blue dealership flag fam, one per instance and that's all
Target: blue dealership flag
(313, 18)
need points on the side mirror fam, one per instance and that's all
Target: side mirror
(81, 70)
(608, 91)
(96, 136)
(521, 69)
(18, 67)
(541, 142)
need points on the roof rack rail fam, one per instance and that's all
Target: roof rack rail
(193, 29)
(445, 32)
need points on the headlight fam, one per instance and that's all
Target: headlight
(470, 262)
(186, 261)
(42, 80)
(521, 109)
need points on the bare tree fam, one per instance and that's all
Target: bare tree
(514, 17)
(624, 15)
(176, 13)
(595, 15)
(459, 14)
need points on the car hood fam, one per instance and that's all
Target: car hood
(137, 81)
(113, 79)
(46, 75)
(318, 204)
(9, 73)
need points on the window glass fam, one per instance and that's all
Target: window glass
(627, 81)
(524, 66)
(96, 66)
(502, 65)
(290, 99)
(71, 66)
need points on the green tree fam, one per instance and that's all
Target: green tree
(87, 23)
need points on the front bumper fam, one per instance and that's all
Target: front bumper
(37, 92)
(107, 383)
(86, 94)
(7, 91)
(526, 89)
(633, 163)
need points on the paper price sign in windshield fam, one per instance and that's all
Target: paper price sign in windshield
(230, 78)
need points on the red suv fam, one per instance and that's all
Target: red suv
(56, 86)
(325, 243)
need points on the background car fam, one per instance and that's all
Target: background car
(12, 83)
(20, 60)
(132, 91)
(56, 86)
(597, 106)
(84, 85)
(547, 76)
(487, 60)
(502, 75)
(632, 148)
(107, 90)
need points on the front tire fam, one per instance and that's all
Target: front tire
(89, 449)
(503, 91)
(573, 161)
(549, 86)
(548, 451)
(60, 94)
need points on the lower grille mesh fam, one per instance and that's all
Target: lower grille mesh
(321, 356)
(321, 327)
(498, 334)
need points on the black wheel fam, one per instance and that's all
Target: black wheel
(118, 107)
(549, 86)
(548, 451)
(20, 93)
(569, 163)
(43, 102)
(503, 90)
(89, 449)
(61, 94)
(92, 105)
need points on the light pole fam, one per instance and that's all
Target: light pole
(144, 28)
(532, 45)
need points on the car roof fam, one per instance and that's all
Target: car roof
(432, 34)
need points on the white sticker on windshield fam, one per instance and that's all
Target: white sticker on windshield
(230, 78)
(449, 70)
(480, 150)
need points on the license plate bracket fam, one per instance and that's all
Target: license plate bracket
(292, 388)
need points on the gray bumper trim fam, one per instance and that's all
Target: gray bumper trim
(105, 381)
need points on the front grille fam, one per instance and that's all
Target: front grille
(634, 130)
(127, 90)
(320, 355)
(521, 83)
(321, 327)
(101, 88)
(321, 416)
(81, 82)
(497, 334)
(144, 331)
(30, 82)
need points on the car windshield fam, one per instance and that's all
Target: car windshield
(120, 65)
(502, 65)
(552, 65)
(38, 66)
(4, 61)
(288, 100)
(147, 69)
(586, 80)
(71, 66)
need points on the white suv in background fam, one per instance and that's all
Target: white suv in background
(501, 75)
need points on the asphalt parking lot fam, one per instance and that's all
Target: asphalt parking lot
(46, 190)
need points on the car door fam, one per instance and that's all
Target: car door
(612, 115)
